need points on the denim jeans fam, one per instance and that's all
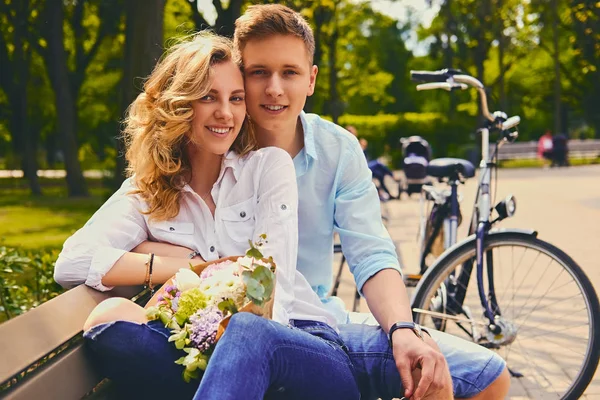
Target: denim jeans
(255, 359)
(472, 367)
(258, 358)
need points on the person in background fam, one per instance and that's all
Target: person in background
(378, 169)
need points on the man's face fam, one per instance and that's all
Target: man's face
(278, 78)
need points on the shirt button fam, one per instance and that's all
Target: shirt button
(212, 249)
(243, 214)
(283, 207)
(171, 228)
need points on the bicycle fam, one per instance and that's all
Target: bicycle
(494, 308)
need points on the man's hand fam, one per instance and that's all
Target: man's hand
(420, 362)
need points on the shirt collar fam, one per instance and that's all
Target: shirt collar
(307, 153)
(309, 137)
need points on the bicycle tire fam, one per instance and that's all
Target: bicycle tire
(466, 249)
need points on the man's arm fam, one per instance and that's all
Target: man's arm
(387, 298)
(372, 259)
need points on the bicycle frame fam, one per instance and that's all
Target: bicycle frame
(453, 80)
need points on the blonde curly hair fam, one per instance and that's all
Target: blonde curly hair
(159, 121)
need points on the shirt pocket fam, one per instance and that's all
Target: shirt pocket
(172, 231)
(238, 220)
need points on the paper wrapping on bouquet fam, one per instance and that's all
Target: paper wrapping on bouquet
(265, 310)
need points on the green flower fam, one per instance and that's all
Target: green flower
(190, 301)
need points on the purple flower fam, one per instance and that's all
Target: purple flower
(175, 304)
(204, 327)
(211, 269)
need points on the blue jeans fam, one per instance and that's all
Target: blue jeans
(258, 358)
(255, 359)
(472, 367)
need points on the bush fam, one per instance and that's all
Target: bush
(26, 280)
(383, 132)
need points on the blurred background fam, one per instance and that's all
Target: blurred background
(70, 68)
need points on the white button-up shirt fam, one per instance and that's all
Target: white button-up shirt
(254, 194)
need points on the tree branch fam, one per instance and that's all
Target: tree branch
(199, 20)
(218, 6)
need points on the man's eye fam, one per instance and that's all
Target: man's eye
(290, 72)
(257, 72)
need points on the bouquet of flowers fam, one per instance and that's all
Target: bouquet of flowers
(198, 302)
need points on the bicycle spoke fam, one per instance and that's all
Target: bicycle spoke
(537, 284)
(552, 331)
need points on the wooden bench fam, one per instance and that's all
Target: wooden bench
(528, 150)
(42, 355)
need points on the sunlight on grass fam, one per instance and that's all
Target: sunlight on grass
(47, 221)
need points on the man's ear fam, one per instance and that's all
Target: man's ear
(313, 80)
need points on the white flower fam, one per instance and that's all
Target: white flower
(186, 279)
(245, 261)
(192, 356)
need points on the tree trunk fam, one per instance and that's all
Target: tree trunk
(19, 101)
(449, 52)
(335, 105)
(66, 106)
(143, 48)
(556, 59)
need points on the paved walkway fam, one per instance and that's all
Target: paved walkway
(563, 205)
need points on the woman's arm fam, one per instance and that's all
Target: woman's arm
(165, 250)
(99, 254)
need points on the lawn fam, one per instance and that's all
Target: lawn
(43, 222)
(34, 229)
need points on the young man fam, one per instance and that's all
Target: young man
(336, 193)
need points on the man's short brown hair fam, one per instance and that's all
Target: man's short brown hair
(266, 20)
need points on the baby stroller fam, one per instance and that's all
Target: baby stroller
(417, 154)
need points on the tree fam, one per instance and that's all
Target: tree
(14, 82)
(143, 48)
(226, 16)
(67, 81)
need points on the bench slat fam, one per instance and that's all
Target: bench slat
(33, 335)
(70, 376)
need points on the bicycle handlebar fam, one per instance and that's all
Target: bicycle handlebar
(442, 85)
(452, 79)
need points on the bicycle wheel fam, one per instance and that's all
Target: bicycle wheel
(547, 305)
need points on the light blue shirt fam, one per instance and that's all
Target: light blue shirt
(337, 195)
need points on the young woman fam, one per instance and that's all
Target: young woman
(199, 189)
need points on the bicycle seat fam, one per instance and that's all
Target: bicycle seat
(450, 167)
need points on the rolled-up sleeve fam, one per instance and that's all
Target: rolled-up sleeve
(116, 228)
(366, 242)
(277, 217)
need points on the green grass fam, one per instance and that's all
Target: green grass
(43, 222)
(537, 163)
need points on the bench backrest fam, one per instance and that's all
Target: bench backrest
(41, 351)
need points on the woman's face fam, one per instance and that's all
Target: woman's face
(218, 116)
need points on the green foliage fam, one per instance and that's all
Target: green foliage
(26, 280)
(383, 132)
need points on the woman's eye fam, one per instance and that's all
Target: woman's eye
(208, 97)
(237, 98)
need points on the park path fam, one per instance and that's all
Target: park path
(563, 205)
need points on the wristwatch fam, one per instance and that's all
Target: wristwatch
(416, 328)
